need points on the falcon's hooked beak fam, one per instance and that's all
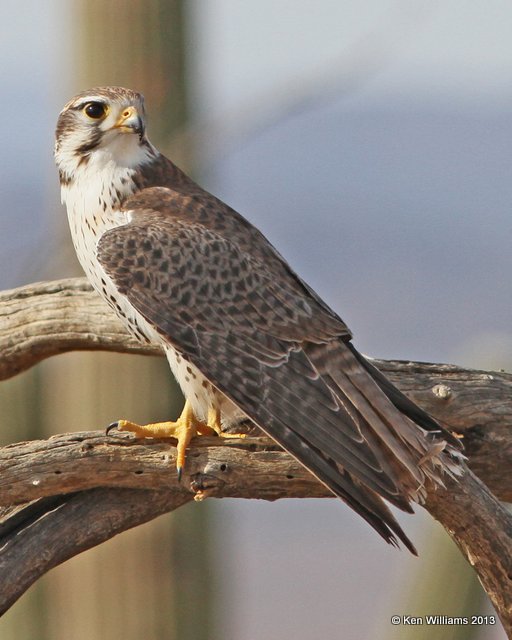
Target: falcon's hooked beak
(130, 122)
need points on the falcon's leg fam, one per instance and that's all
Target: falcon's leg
(215, 424)
(184, 429)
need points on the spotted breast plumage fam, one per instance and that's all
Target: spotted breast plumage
(245, 337)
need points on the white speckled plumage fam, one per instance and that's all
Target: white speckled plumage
(94, 186)
(92, 198)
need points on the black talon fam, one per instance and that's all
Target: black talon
(180, 473)
(112, 425)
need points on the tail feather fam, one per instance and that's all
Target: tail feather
(392, 425)
(404, 404)
(367, 503)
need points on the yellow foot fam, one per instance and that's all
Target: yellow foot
(184, 429)
(214, 423)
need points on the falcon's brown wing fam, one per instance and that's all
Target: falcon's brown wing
(220, 295)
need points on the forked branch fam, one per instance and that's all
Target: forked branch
(71, 492)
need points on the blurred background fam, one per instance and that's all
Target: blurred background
(370, 141)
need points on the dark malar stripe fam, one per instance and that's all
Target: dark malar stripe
(87, 147)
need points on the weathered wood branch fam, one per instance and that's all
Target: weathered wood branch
(91, 486)
(84, 488)
(41, 320)
(44, 319)
(482, 529)
(89, 460)
(38, 537)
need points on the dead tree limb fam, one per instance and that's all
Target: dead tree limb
(41, 320)
(44, 319)
(48, 532)
(84, 488)
(92, 486)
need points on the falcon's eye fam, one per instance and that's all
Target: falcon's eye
(95, 110)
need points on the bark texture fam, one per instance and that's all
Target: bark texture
(61, 496)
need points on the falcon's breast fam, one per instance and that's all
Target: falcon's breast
(95, 202)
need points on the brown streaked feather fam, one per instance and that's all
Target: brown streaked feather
(219, 293)
(179, 198)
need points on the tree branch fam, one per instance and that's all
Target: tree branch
(48, 532)
(84, 488)
(74, 491)
(44, 319)
(482, 529)
(41, 320)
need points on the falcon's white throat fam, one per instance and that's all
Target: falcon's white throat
(115, 151)
(93, 186)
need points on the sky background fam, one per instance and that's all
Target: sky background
(370, 141)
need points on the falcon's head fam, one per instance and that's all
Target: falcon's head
(101, 126)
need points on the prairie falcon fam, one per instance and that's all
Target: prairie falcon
(243, 334)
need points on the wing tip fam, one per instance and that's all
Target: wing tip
(400, 536)
(388, 528)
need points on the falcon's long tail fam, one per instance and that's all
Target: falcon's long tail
(405, 446)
